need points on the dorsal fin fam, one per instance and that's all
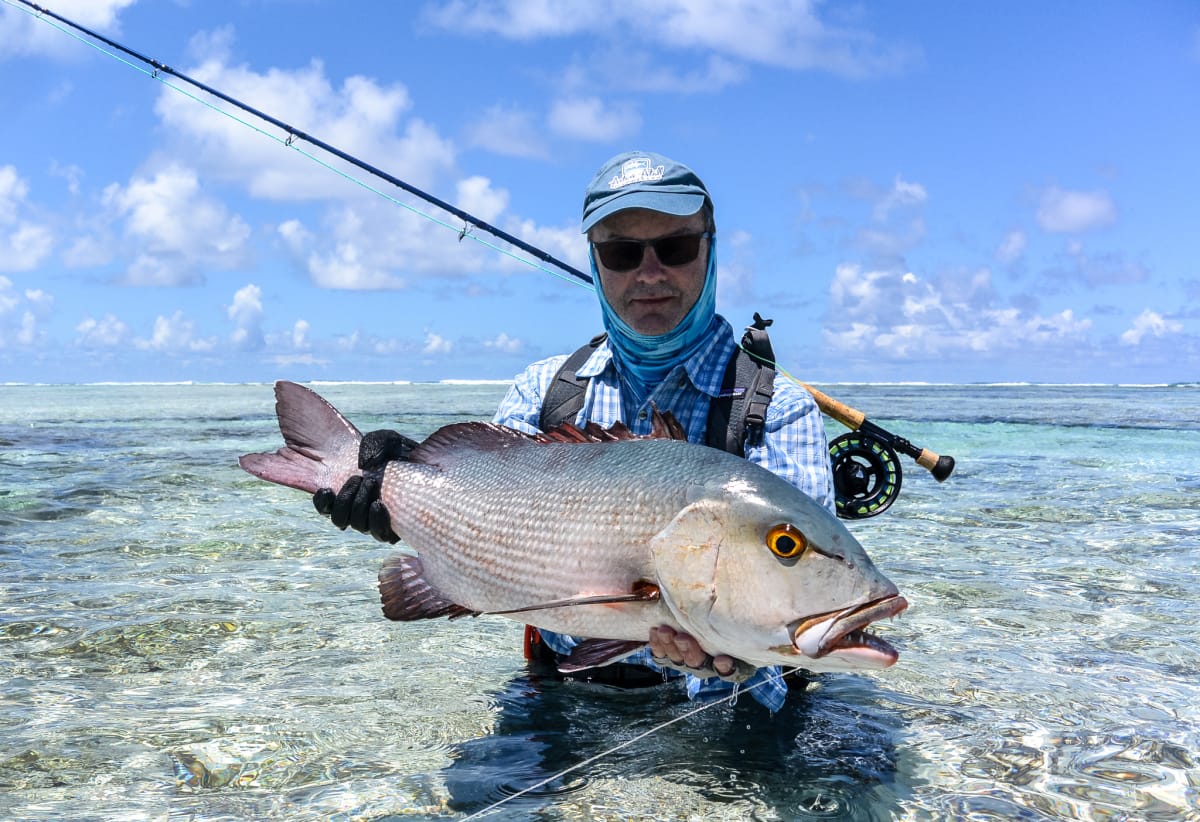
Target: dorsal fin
(444, 445)
(664, 426)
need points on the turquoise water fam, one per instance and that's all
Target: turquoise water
(179, 640)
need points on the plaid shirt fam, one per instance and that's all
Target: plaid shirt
(793, 447)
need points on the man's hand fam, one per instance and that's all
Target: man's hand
(357, 504)
(674, 649)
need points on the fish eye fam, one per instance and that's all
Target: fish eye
(786, 541)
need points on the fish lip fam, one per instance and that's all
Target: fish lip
(844, 623)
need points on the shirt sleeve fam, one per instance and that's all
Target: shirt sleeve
(521, 407)
(794, 445)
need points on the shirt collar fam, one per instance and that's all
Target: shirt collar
(706, 368)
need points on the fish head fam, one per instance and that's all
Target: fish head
(757, 570)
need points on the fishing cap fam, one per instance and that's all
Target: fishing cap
(642, 179)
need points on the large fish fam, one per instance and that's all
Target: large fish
(604, 539)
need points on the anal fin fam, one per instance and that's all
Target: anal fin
(407, 596)
(592, 653)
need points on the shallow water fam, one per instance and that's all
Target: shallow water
(179, 640)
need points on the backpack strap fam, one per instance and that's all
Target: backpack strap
(564, 397)
(737, 417)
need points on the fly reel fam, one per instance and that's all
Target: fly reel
(866, 475)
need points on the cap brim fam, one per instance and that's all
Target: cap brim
(665, 202)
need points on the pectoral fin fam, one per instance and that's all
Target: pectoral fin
(642, 592)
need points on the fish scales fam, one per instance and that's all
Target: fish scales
(546, 522)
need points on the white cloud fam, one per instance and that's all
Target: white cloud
(20, 314)
(8, 296)
(40, 300)
(284, 360)
(589, 118)
(22, 34)
(173, 334)
(903, 194)
(23, 244)
(784, 33)
(510, 132)
(12, 193)
(361, 118)
(894, 315)
(1012, 247)
(735, 277)
(1150, 323)
(300, 334)
(363, 242)
(246, 312)
(25, 248)
(640, 72)
(477, 197)
(505, 344)
(352, 256)
(436, 344)
(374, 246)
(1070, 212)
(106, 332)
(176, 231)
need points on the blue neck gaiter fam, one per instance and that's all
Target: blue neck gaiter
(643, 360)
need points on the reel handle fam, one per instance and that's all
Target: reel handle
(939, 466)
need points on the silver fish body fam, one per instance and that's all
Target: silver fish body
(663, 532)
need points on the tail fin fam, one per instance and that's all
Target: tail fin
(321, 449)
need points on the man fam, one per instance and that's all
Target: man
(652, 250)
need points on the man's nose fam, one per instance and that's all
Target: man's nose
(651, 268)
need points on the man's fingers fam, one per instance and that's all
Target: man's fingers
(681, 651)
(690, 651)
(360, 510)
(323, 500)
(381, 523)
(343, 504)
(378, 448)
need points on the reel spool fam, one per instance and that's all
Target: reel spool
(866, 475)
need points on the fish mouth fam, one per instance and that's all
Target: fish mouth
(840, 633)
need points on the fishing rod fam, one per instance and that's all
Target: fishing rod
(867, 474)
(295, 135)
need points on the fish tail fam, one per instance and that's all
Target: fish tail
(321, 446)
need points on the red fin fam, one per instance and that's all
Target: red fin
(406, 596)
(592, 653)
(443, 447)
(664, 427)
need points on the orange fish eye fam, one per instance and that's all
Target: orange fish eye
(786, 541)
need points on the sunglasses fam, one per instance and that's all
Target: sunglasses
(626, 255)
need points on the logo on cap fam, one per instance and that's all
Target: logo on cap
(637, 170)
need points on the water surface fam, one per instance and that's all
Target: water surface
(180, 640)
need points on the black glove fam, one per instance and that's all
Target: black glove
(357, 504)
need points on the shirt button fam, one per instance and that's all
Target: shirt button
(642, 415)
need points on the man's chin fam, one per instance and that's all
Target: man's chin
(653, 323)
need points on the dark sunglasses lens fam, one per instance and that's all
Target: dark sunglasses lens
(626, 255)
(677, 250)
(620, 255)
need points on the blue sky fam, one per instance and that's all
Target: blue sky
(944, 192)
